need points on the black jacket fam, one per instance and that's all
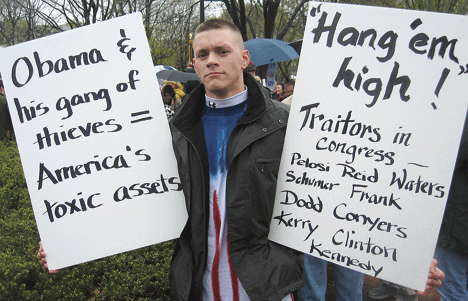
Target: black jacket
(454, 231)
(267, 271)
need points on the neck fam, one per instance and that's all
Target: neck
(227, 102)
(235, 89)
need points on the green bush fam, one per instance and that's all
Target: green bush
(137, 275)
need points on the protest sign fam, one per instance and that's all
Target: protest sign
(94, 141)
(271, 73)
(372, 138)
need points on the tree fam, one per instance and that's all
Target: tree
(82, 12)
(10, 14)
(24, 20)
(172, 33)
(239, 13)
(446, 6)
(166, 22)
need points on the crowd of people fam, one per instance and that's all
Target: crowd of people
(228, 134)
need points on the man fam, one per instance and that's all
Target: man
(288, 89)
(288, 93)
(223, 252)
(228, 138)
(251, 69)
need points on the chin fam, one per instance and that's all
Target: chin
(217, 89)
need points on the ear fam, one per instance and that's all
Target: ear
(245, 59)
(195, 63)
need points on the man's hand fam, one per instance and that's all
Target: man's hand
(434, 278)
(41, 256)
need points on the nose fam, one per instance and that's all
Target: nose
(212, 59)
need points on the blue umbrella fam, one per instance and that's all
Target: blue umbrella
(266, 51)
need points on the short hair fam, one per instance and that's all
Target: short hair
(168, 89)
(220, 24)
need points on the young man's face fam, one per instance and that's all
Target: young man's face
(219, 62)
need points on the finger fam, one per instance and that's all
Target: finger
(40, 255)
(434, 262)
(429, 286)
(434, 285)
(439, 274)
(41, 250)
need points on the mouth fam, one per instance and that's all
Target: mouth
(213, 74)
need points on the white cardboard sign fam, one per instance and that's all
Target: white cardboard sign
(94, 141)
(372, 138)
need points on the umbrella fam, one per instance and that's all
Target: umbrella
(297, 45)
(177, 76)
(265, 51)
(158, 68)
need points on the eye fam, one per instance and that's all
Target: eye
(201, 55)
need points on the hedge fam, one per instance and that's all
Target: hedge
(137, 275)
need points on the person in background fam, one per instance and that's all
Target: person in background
(251, 69)
(452, 246)
(6, 126)
(277, 92)
(288, 89)
(168, 96)
(178, 90)
(348, 283)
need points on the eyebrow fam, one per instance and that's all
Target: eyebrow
(223, 45)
